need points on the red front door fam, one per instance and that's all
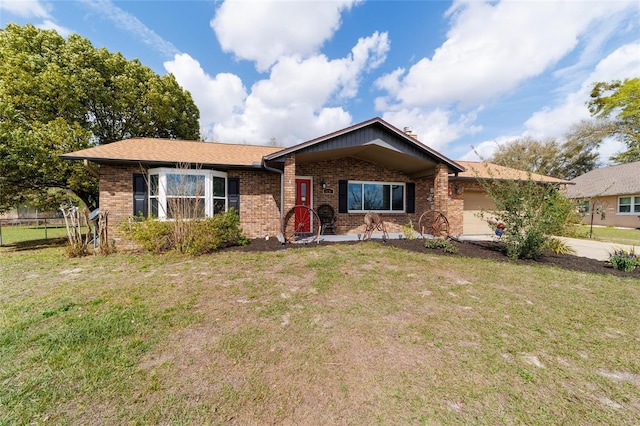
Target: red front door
(303, 198)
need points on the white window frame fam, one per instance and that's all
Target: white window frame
(209, 198)
(634, 205)
(391, 184)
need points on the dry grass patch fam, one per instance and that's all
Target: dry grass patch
(353, 334)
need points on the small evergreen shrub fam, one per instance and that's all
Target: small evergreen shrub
(152, 235)
(623, 260)
(213, 233)
(199, 237)
(442, 244)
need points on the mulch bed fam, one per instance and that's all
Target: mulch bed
(488, 250)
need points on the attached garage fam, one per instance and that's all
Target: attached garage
(467, 195)
(474, 204)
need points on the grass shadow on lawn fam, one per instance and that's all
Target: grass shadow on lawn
(34, 244)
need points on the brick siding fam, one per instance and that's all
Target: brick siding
(260, 196)
(259, 202)
(116, 197)
(350, 168)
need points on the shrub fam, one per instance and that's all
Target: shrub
(439, 243)
(408, 231)
(199, 237)
(557, 246)
(530, 212)
(623, 260)
(213, 233)
(152, 235)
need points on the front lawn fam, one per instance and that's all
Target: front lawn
(21, 234)
(610, 234)
(341, 334)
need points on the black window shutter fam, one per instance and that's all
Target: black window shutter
(343, 192)
(411, 197)
(233, 193)
(139, 195)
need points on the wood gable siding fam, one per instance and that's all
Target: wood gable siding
(363, 137)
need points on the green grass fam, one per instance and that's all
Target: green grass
(17, 234)
(613, 235)
(342, 334)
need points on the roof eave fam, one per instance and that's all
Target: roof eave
(475, 178)
(160, 163)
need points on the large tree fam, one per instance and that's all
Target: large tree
(59, 95)
(565, 160)
(618, 104)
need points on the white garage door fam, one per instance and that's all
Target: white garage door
(474, 203)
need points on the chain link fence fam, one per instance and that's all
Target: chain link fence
(21, 230)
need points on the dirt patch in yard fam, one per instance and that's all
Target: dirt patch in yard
(489, 250)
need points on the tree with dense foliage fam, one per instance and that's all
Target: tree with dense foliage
(567, 160)
(528, 215)
(618, 103)
(529, 154)
(58, 96)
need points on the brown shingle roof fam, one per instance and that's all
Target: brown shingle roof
(484, 170)
(615, 180)
(165, 151)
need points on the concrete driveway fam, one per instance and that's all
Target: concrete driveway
(584, 248)
(595, 249)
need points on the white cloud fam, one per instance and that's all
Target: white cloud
(34, 9)
(623, 63)
(484, 150)
(294, 104)
(554, 122)
(609, 148)
(50, 25)
(265, 31)
(492, 48)
(436, 128)
(26, 8)
(130, 23)
(288, 126)
(217, 97)
(314, 80)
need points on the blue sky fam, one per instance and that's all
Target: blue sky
(465, 75)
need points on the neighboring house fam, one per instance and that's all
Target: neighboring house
(367, 164)
(609, 196)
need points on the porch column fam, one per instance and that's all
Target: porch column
(441, 188)
(289, 183)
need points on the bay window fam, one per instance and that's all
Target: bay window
(186, 194)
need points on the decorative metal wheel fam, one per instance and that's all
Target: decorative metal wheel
(301, 224)
(433, 223)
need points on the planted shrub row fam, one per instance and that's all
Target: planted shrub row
(194, 236)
